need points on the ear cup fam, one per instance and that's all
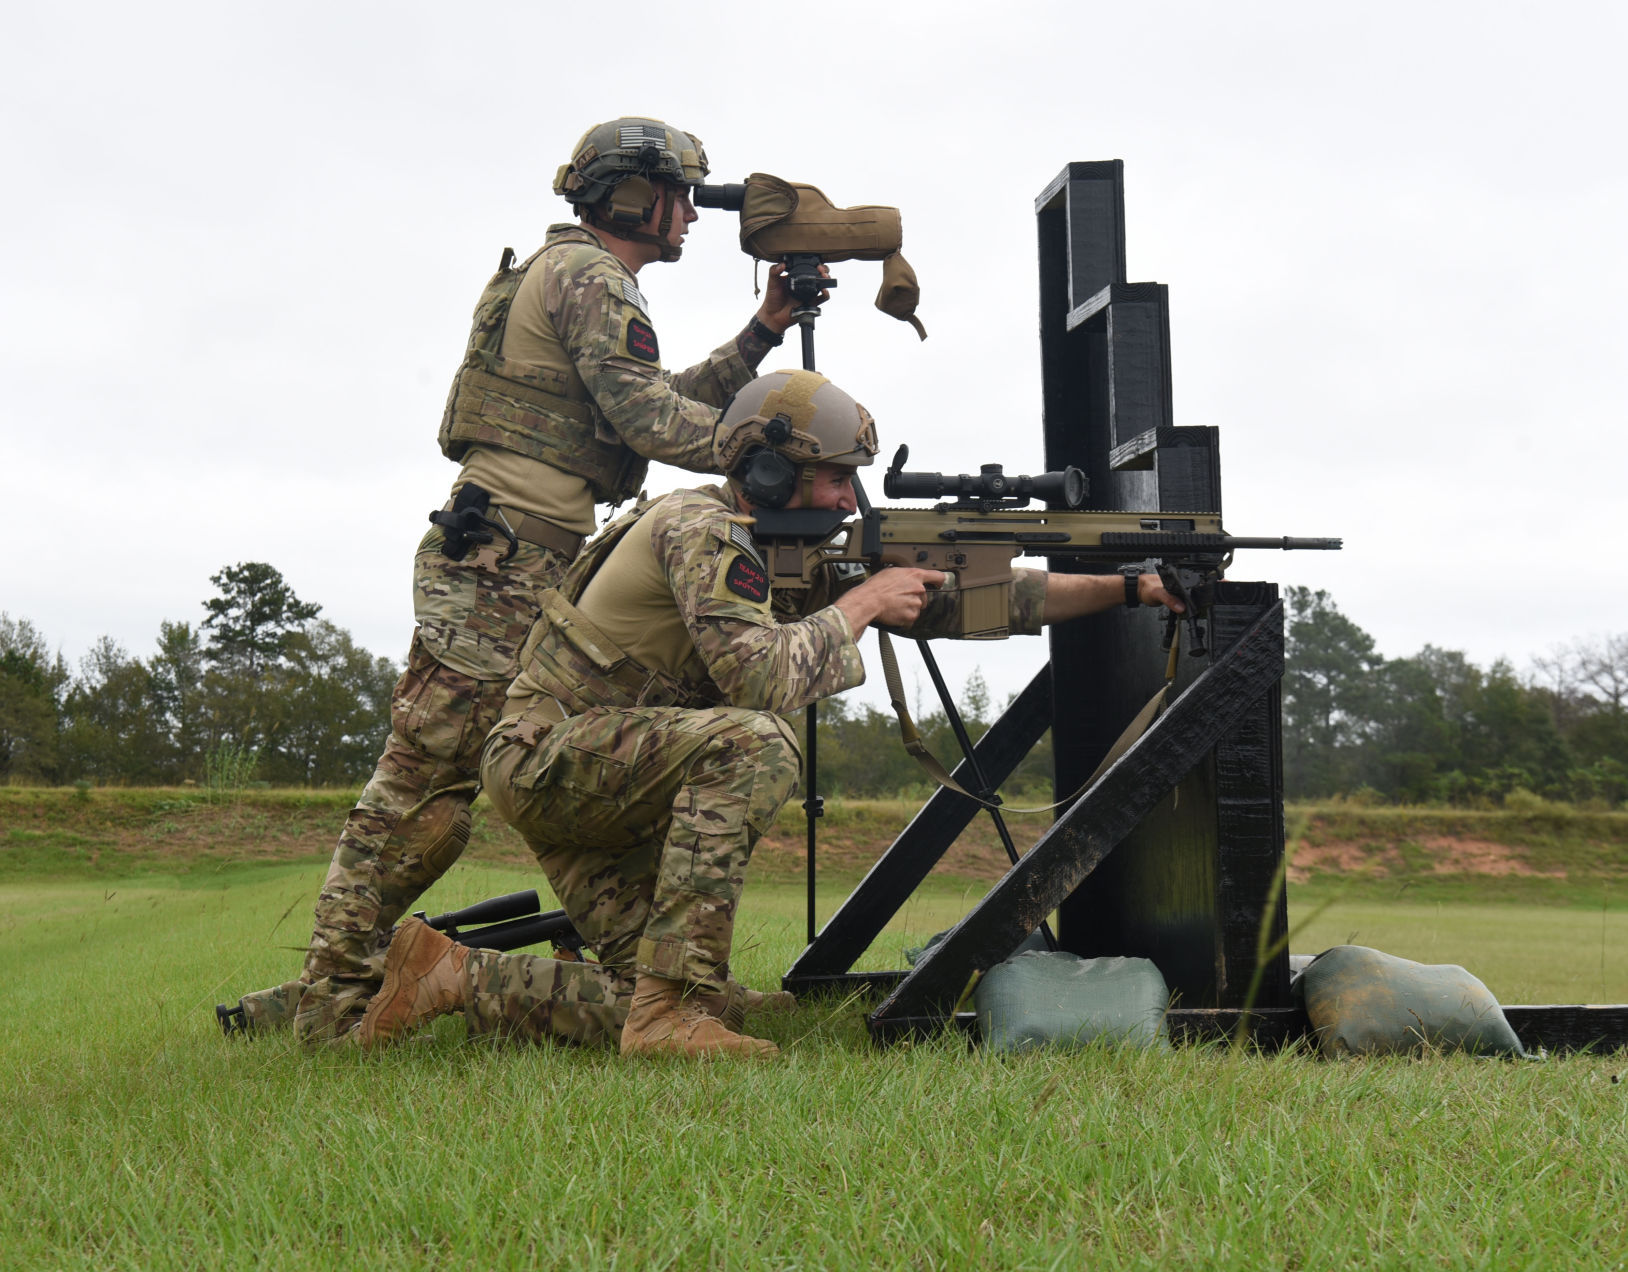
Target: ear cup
(768, 478)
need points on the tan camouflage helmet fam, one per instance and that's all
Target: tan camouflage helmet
(610, 154)
(786, 422)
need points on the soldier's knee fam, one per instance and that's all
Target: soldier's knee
(444, 834)
(777, 762)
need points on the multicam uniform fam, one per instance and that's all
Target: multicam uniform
(560, 401)
(643, 753)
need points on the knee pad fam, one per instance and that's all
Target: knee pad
(449, 843)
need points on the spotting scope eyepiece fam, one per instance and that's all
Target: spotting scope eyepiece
(728, 197)
(1066, 488)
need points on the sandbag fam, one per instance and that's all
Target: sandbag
(1046, 998)
(1362, 1002)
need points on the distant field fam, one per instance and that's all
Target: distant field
(1547, 855)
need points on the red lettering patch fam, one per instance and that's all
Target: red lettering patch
(746, 578)
(641, 341)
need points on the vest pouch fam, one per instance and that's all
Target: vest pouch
(579, 665)
(782, 218)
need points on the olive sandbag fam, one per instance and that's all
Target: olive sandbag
(1051, 998)
(1362, 1002)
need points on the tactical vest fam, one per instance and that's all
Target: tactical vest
(543, 410)
(573, 661)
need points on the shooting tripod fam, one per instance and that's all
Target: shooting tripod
(807, 284)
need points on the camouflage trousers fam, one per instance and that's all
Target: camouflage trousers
(412, 821)
(532, 999)
(644, 820)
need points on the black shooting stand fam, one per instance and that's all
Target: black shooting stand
(1176, 852)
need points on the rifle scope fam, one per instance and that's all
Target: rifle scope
(728, 197)
(1067, 487)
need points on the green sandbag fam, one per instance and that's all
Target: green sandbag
(1365, 1003)
(1042, 998)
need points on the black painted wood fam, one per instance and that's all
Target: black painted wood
(1087, 202)
(909, 859)
(1570, 1026)
(863, 984)
(1251, 903)
(1554, 1027)
(1096, 823)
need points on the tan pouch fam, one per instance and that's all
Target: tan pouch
(899, 293)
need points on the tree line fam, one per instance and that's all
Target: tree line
(261, 688)
(267, 688)
(1435, 728)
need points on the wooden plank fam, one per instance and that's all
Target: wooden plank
(1570, 1026)
(1556, 1027)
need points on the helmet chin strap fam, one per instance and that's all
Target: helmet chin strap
(668, 251)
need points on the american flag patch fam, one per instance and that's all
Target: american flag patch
(741, 537)
(632, 294)
(629, 136)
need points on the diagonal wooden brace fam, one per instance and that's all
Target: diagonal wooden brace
(1093, 826)
(900, 870)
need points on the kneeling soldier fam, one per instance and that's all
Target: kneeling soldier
(643, 750)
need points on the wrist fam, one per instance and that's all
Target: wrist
(767, 331)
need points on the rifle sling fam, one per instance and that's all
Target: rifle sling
(913, 743)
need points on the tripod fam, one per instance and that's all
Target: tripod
(808, 285)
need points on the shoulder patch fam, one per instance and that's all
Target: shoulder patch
(747, 578)
(632, 294)
(641, 341)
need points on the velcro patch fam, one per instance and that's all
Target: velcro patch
(745, 577)
(641, 341)
(741, 537)
(632, 294)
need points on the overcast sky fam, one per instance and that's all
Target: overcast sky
(243, 241)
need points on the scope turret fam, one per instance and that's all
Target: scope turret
(728, 197)
(1066, 487)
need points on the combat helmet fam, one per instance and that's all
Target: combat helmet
(782, 425)
(612, 173)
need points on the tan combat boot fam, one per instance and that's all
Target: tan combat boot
(663, 1021)
(423, 979)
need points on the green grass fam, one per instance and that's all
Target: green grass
(135, 1136)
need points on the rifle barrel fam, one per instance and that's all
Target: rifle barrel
(512, 905)
(532, 929)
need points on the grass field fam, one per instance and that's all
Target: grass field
(135, 1136)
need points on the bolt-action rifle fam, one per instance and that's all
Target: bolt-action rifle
(510, 922)
(983, 523)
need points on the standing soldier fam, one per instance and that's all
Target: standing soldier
(559, 403)
(643, 749)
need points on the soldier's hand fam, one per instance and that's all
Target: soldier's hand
(778, 302)
(893, 597)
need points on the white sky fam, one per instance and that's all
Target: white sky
(242, 243)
